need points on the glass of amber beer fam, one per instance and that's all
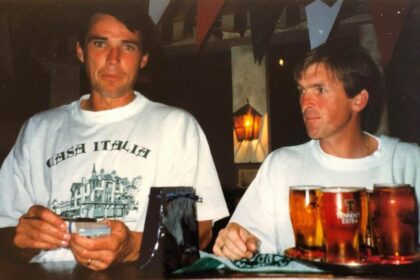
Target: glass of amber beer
(393, 210)
(304, 214)
(340, 210)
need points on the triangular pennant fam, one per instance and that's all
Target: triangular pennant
(264, 15)
(321, 18)
(207, 12)
(157, 8)
(388, 18)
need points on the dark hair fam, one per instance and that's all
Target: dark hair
(132, 13)
(357, 71)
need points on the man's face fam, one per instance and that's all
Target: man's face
(326, 109)
(112, 56)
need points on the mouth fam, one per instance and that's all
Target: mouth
(310, 119)
(110, 76)
(310, 116)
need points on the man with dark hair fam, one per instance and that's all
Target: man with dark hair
(132, 14)
(335, 86)
(99, 156)
(357, 71)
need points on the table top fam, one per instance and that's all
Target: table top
(130, 271)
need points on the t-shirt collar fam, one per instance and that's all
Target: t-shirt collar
(112, 115)
(347, 164)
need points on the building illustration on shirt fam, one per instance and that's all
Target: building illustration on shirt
(102, 196)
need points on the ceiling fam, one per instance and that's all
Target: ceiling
(46, 24)
(233, 25)
(178, 23)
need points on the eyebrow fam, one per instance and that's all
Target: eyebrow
(312, 85)
(92, 38)
(132, 42)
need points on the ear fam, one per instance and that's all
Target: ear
(79, 52)
(360, 100)
(143, 61)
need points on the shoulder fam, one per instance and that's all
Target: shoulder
(395, 144)
(164, 111)
(169, 116)
(400, 151)
(287, 156)
(48, 119)
(291, 152)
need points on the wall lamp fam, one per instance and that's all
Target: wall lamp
(247, 122)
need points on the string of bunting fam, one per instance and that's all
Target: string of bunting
(321, 15)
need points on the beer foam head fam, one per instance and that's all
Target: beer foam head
(334, 189)
(390, 185)
(306, 187)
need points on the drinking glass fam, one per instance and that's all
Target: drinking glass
(304, 214)
(394, 217)
(340, 210)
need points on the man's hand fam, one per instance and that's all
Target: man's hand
(234, 242)
(100, 252)
(41, 229)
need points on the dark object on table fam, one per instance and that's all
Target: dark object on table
(170, 238)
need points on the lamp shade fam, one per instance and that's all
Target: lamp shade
(247, 122)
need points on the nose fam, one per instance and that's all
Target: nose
(113, 56)
(306, 100)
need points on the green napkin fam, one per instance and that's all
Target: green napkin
(258, 263)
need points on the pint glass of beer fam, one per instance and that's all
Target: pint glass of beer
(304, 214)
(340, 210)
(394, 217)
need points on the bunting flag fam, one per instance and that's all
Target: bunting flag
(157, 8)
(388, 18)
(207, 13)
(241, 16)
(264, 15)
(292, 13)
(321, 18)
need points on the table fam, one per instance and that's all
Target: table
(129, 271)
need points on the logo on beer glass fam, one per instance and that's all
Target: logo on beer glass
(351, 214)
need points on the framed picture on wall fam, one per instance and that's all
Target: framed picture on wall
(245, 173)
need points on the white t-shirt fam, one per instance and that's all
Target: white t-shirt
(264, 208)
(102, 164)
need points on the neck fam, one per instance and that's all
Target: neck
(354, 146)
(97, 102)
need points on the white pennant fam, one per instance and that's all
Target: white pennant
(157, 8)
(321, 19)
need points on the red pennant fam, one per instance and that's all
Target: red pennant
(388, 18)
(207, 12)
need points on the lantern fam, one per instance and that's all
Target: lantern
(246, 122)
